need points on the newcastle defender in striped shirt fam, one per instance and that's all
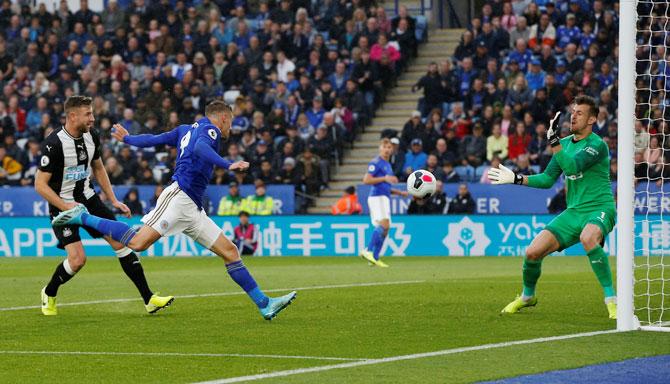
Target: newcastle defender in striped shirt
(69, 156)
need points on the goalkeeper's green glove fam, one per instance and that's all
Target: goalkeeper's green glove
(504, 175)
(552, 133)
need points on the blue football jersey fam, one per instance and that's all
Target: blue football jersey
(192, 172)
(379, 167)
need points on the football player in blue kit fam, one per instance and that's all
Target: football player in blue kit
(380, 176)
(179, 207)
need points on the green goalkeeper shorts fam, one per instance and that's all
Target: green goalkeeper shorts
(567, 226)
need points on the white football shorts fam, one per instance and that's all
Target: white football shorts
(380, 208)
(175, 213)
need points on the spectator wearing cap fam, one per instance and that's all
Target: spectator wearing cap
(348, 204)
(535, 76)
(481, 56)
(397, 159)
(316, 112)
(258, 204)
(568, 33)
(432, 86)
(290, 174)
(561, 75)
(473, 147)
(246, 235)
(415, 158)
(261, 152)
(230, 204)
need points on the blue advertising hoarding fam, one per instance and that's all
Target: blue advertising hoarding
(450, 235)
(24, 201)
(512, 199)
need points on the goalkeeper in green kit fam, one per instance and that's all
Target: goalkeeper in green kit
(584, 159)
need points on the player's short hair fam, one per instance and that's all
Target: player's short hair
(77, 101)
(385, 141)
(243, 213)
(587, 100)
(216, 107)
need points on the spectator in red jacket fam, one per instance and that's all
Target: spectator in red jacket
(518, 141)
(246, 235)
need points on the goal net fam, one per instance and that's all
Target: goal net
(643, 189)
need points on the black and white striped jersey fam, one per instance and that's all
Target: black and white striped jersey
(68, 159)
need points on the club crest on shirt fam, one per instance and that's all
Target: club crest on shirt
(82, 156)
(67, 232)
(44, 161)
(212, 134)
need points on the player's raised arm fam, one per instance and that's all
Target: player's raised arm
(166, 138)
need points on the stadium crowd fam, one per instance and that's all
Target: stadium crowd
(304, 78)
(517, 64)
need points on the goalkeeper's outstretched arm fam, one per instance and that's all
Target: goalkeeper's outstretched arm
(546, 179)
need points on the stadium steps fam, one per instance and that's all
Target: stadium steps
(393, 113)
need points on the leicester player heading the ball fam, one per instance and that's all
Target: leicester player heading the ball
(380, 176)
(179, 207)
(584, 159)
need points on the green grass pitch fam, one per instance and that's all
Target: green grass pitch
(426, 304)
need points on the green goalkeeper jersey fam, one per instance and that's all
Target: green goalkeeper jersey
(586, 165)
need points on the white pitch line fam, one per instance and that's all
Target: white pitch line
(353, 285)
(177, 354)
(353, 364)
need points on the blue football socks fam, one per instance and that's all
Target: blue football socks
(117, 230)
(239, 273)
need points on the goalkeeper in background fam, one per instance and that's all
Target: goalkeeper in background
(584, 159)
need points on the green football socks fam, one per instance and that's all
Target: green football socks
(601, 267)
(532, 269)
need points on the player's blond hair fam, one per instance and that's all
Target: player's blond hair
(217, 107)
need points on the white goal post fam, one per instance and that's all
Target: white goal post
(642, 293)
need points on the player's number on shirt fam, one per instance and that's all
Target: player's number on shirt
(184, 143)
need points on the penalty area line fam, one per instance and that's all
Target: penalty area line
(179, 354)
(391, 359)
(216, 294)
